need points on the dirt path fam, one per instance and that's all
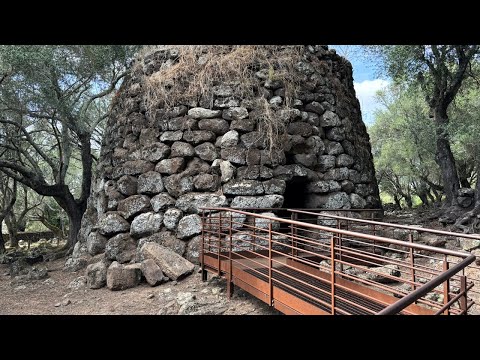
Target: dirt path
(189, 296)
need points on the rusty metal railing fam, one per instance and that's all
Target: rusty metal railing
(328, 267)
(411, 234)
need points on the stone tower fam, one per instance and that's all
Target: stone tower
(234, 126)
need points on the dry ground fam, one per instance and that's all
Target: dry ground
(189, 296)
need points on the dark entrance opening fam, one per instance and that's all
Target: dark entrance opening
(295, 195)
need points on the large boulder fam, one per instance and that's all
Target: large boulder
(235, 113)
(206, 151)
(146, 224)
(202, 113)
(193, 250)
(218, 126)
(121, 277)
(112, 223)
(178, 185)
(152, 272)
(75, 263)
(266, 201)
(121, 248)
(166, 239)
(189, 226)
(192, 202)
(172, 264)
(182, 149)
(134, 205)
(243, 187)
(127, 185)
(162, 202)
(96, 243)
(170, 166)
(133, 167)
(96, 275)
(150, 183)
(357, 201)
(171, 218)
(384, 274)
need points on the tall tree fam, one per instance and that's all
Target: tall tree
(403, 146)
(7, 201)
(52, 101)
(440, 70)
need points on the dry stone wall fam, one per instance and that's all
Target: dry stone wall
(157, 168)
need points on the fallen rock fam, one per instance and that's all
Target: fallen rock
(120, 277)
(173, 265)
(74, 264)
(152, 272)
(38, 272)
(469, 244)
(49, 282)
(19, 267)
(164, 238)
(77, 283)
(390, 269)
(185, 298)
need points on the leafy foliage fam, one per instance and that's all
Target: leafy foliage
(53, 101)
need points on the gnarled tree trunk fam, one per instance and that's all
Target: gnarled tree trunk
(444, 157)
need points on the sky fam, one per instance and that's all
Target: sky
(366, 80)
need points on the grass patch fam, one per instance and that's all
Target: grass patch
(189, 73)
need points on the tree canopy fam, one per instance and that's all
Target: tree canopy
(53, 100)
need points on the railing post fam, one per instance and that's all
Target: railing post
(446, 285)
(219, 272)
(332, 273)
(463, 289)
(339, 240)
(202, 249)
(209, 236)
(270, 282)
(294, 217)
(254, 236)
(412, 260)
(230, 269)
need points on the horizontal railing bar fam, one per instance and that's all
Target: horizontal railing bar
(398, 226)
(350, 233)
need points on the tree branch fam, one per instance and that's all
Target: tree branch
(31, 142)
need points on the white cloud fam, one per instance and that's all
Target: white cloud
(366, 91)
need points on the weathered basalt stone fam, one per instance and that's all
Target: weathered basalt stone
(173, 265)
